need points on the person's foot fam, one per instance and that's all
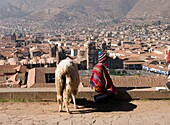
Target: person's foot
(100, 98)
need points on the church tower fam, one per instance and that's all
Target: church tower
(13, 37)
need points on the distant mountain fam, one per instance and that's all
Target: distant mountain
(150, 9)
(20, 8)
(63, 11)
(17, 7)
(54, 13)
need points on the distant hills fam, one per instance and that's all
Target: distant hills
(150, 9)
(89, 12)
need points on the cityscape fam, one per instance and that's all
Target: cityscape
(141, 47)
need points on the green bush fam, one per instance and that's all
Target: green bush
(117, 72)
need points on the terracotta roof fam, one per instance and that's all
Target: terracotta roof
(33, 61)
(42, 61)
(133, 57)
(35, 49)
(13, 61)
(45, 56)
(133, 62)
(51, 60)
(6, 54)
(2, 62)
(24, 61)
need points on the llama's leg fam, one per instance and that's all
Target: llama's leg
(60, 102)
(63, 105)
(74, 101)
(60, 89)
(73, 94)
(66, 98)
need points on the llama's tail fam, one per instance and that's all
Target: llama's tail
(60, 82)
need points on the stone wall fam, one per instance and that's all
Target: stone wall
(133, 81)
(121, 81)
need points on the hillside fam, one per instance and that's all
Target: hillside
(49, 14)
(150, 10)
(116, 8)
(66, 11)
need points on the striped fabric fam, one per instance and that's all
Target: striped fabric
(101, 81)
(168, 56)
(102, 57)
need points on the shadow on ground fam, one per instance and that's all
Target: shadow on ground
(107, 105)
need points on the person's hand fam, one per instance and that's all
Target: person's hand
(97, 89)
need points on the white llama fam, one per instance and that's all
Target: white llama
(67, 82)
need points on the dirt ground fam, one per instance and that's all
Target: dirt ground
(148, 112)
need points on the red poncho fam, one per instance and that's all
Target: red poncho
(168, 56)
(101, 80)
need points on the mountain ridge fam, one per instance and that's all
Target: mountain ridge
(63, 13)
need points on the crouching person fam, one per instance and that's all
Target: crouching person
(100, 79)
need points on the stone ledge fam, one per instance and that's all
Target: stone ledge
(49, 94)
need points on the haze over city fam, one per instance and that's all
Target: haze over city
(47, 15)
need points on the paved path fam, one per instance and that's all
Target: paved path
(146, 112)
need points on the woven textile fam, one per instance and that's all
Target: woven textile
(101, 80)
(168, 56)
(102, 57)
